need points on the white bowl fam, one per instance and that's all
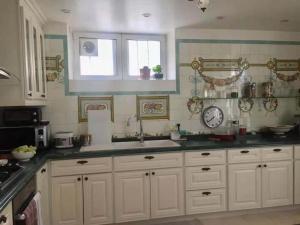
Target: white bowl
(281, 129)
(23, 156)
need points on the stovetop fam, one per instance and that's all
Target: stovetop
(8, 172)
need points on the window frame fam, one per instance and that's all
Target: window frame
(143, 37)
(117, 51)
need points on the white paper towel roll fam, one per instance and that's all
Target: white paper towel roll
(99, 126)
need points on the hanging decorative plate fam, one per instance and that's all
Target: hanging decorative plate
(213, 117)
(195, 105)
(246, 104)
(270, 104)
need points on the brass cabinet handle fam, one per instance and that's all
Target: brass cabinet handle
(86, 178)
(3, 219)
(245, 152)
(205, 153)
(206, 193)
(277, 150)
(43, 170)
(82, 162)
(153, 173)
(79, 179)
(149, 157)
(147, 174)
(206, 169)
(259, 166)
(265, 166)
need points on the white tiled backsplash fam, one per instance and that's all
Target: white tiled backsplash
(62, 111)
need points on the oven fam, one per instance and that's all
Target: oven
(22, 200)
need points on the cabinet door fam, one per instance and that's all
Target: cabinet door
(244, 186)
(97, 195)
(43, 188)
(167, 193)
(132, 196)
(277, 183)
(7, 214)
(297, 181)
(67, 200)
(27, 43)
(42, 61)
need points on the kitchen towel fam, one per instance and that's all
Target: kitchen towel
(31, 213)
(99, 126)
(37, 199)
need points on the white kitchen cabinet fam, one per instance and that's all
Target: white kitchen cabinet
(42, 186)
(132, 196)
(167, 193)
(97, 195)
(24, 40)
(67, 201)
(244, 186)
(7, 215)
(133, 191)
(277, 184)
(297, 181)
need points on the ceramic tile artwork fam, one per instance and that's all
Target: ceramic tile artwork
(62, 110)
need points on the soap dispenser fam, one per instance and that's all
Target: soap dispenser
(175, 135)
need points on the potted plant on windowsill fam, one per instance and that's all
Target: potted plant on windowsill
(157, 72)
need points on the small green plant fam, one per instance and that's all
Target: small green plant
(157, 69)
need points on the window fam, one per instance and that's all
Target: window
(97, 56)
(143, 50)
(117, 56)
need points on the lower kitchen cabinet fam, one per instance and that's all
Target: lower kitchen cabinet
(78, 200)
(132, 196)
(297, 181)
(244, 186)
(67, 200)
(277, 184)
(6, 215)
(260, 185)
(205, 201)
(42, 186)
(97, 195)
(133, 191)
(167, 193)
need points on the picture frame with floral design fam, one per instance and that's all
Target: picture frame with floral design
(94, 103)
(153, 107)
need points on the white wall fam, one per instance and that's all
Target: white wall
(62, 110)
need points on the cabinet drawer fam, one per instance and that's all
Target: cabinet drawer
(244, 155)
(81, 166)
(149, 161)
(205, 158)
(205, 201)
(205, 177)
(297, 151)
(277, 153)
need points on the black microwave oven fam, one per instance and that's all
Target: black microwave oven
(21, 116)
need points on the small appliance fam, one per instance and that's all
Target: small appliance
(63, 140)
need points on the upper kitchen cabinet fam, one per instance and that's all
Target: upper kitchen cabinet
(22, 53)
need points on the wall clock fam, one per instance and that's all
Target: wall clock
(213, 117)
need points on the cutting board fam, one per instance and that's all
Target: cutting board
(99, 126)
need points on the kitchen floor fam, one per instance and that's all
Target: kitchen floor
(270, 218)
(290, 217)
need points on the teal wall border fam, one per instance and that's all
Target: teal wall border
(64, 38)
(177, 52)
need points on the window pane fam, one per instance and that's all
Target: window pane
(97, 57)
(142, 53)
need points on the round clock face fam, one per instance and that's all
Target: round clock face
(213, 117)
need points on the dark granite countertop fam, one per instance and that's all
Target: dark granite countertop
(200, 143)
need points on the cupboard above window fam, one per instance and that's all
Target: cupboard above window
(22, 53)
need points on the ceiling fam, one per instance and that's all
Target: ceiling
(166, 15)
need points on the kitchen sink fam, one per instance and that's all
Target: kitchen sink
(130, 145)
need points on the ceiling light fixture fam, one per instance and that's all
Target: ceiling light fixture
(67, 11)
(284, 21)
(146, 15)
(201, 4)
